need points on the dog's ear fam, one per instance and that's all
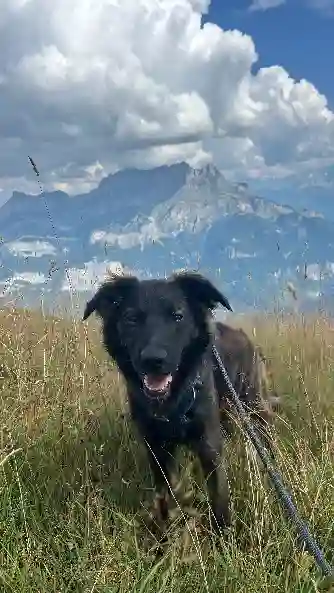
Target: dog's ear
(109, 295)
(200, 289)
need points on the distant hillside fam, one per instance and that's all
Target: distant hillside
(154, 221)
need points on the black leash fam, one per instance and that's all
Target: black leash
(283, 494)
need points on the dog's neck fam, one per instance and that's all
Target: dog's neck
(185, 395)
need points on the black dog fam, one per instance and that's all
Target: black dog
(160, 333)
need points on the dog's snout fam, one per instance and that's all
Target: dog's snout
(153, 358)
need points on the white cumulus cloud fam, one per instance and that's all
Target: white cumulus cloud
(29, 278)
(326, 7)
(89, 87)
(30, 248)
(90, 275)
(265, 4)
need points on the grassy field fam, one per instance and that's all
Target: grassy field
(74, 474)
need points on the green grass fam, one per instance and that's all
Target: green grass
(74, 473)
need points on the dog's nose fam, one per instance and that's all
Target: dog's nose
(153, 358)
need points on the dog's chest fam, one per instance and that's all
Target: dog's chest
(178, 432)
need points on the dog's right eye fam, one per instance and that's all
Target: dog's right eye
(133, 317)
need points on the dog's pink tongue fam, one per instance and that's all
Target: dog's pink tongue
(157, 383)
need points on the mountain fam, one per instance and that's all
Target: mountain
(315, 194)
(155, 221)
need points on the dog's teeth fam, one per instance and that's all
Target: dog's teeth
(157, 384)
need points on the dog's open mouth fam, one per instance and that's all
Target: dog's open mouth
(157, 386)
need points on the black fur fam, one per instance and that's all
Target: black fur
(157, 328)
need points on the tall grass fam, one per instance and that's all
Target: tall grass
(74, 476)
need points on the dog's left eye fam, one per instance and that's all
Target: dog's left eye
(178, 315)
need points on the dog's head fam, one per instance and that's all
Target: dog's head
(156, 330)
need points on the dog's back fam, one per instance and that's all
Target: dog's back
(246, 367)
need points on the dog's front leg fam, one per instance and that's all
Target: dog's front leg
(208, 449)
(161, 459)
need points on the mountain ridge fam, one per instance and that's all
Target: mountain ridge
(156, 220)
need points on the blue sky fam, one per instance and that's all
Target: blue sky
(295, 35)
